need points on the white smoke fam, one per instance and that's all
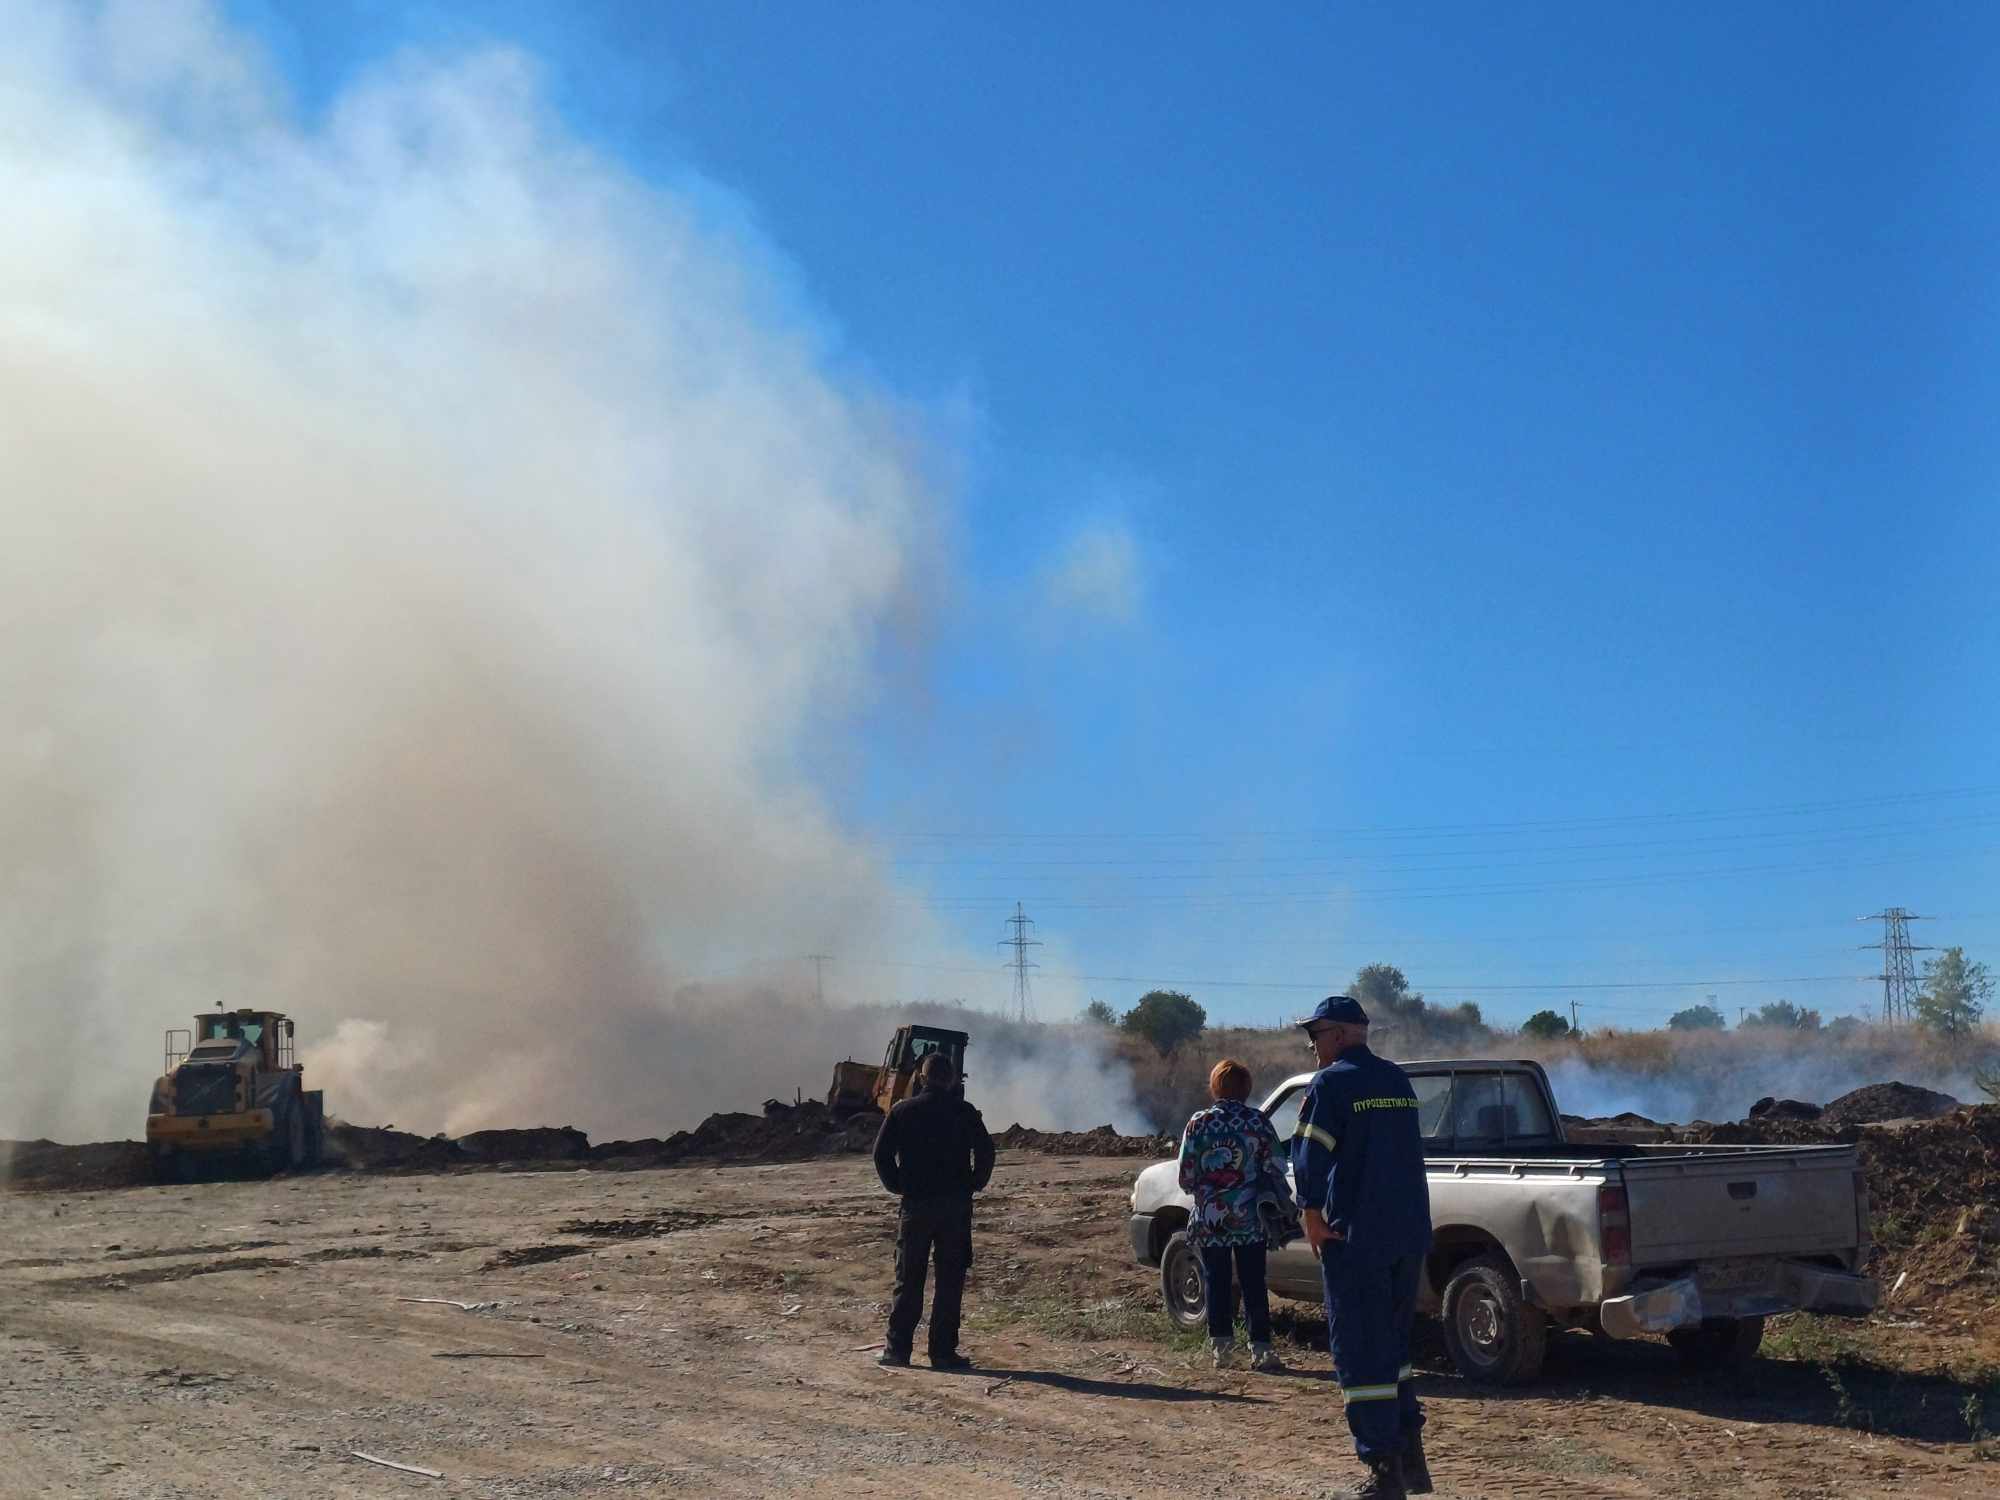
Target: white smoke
(431, 556)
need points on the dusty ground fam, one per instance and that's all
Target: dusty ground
(710, 1330)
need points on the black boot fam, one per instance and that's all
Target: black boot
(1384, 1482)
(1416, 1473)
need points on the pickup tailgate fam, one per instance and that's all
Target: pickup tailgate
(1718, 1202)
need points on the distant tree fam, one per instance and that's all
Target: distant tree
(1466, 1014)
(1099, 1013)
(1842, 1027)
(1545, 1026)
(1384, 987)
(1166, 1018)
(1782, 1015)
(1955, 993)
(1696, 1018)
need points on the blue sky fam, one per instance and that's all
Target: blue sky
(1505, 491)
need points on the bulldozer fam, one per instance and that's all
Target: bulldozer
(858, 1087)
(231, 1091)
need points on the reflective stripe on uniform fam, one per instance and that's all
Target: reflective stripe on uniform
(1355, 1393)
(1311, 1132)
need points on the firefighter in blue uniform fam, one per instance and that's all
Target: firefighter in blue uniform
(1358, 1162)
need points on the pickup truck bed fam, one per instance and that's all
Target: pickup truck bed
(1532, 1231)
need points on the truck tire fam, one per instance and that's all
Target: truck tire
(1492, 1335)
(1718, 1344)
(1180, 1283)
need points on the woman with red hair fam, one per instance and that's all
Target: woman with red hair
(1231, 1164)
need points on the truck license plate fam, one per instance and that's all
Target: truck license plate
(1735, 1276)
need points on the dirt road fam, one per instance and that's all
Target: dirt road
(709, 1331)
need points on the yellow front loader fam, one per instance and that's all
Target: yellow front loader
(231, 1090)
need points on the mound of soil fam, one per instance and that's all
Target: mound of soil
(783, 1132)
(1888, 1101)
(45, 1164)
(544, 1143)
(1768, 1108)
(1103, 1141)
(1769, 1130)
(368, 1148)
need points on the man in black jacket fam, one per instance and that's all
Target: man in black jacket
(933, 1151)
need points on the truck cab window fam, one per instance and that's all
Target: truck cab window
(1433, 1092)
(1479, 1109)
(1526, 1110)
(1284, 1114)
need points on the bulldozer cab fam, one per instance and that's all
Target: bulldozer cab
(907, 1050)
(912, 1044)
(857, 1086)
(267, 1033)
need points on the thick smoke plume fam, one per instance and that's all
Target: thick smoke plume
(430, 557)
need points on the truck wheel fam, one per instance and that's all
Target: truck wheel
(1718, 1344)
(1491, 1334)
(1180, 1281)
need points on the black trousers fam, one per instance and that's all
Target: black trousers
(927, 1227)
(1249, 1261)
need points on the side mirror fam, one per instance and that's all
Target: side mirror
(288, 1027)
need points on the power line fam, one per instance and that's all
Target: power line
(1440, 830)
(1451, 892)
(1442, 986)
(1020, 942)
(1029, 860)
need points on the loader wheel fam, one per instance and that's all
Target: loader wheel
(295, 1136)
(1718, 1344)
(1491, 1334)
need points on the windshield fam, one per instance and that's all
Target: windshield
(231, 1028)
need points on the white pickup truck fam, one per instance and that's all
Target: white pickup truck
(1532, 1230)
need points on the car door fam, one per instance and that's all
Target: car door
(1293, 1271)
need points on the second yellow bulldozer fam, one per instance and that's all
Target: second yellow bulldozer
(859, 1086)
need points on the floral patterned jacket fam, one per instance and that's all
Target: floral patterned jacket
(1230, 1162)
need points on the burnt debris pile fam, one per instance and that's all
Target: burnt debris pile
(1888, 1101)
(104, 1164)
(781, 1132)
(1103, 1141)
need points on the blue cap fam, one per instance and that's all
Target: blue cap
(1343, 1008)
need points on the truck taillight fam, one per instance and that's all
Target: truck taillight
(1614, 1226)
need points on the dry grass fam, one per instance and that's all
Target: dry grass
(1169, 1089)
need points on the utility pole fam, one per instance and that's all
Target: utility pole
(1020, 942)
(1574, 1024)
(819, 975)
(1899, 969)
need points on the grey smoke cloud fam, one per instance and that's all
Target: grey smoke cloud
(430, 556)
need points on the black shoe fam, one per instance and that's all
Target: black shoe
(893, 1359)
(1416, 1473)
(951, 1361)
(1384, 1482)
